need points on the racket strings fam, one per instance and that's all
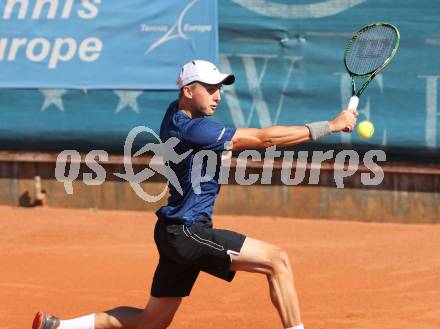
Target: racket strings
(370, 49)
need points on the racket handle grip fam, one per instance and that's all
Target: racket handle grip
(354, 102)
(352, 105)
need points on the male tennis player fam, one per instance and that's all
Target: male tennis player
(184, 233)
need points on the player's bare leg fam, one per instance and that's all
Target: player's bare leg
(120, 317)
(261, 257)
(158, 314)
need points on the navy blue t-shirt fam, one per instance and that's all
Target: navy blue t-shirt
(196, 135)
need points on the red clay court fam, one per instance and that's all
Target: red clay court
(349, 275)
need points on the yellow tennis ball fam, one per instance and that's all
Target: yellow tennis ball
(365, 129)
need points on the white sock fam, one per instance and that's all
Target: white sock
(84, 322)
(300, 326)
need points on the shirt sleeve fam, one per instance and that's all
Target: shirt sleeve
(205, 134)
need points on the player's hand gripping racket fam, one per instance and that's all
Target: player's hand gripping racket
(368, 52)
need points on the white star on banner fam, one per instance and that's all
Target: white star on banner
(127, 98)
(52, 97)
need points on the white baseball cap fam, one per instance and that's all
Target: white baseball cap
(202, 71)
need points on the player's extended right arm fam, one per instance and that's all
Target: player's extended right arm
(245, 138)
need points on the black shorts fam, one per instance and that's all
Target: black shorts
(184, 251)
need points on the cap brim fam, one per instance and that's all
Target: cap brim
(229, 80)
(224, 79)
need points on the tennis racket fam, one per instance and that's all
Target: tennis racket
(367, 53)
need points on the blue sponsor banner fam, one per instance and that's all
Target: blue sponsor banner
(94, 44)
(287, 59)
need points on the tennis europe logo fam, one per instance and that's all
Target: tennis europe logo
(179, 30)
(207, 165)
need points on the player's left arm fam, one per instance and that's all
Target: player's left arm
(248, 138)
(245, 138)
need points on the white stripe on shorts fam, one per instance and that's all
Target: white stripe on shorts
(201, 240)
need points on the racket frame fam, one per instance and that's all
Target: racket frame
(370, 75)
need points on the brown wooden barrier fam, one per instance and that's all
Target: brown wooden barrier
(409, 193)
